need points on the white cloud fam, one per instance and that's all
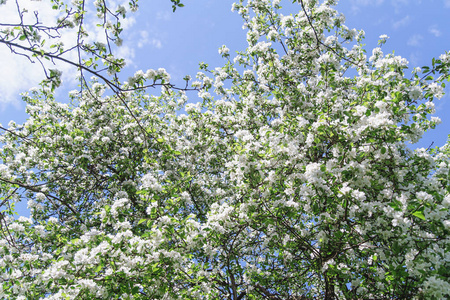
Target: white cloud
(156, 43)
(17, 106)
(402, 22)
(145, 40)
(18, 75)
(415, 40)
(434, 31)
(367, 2)
(163, 15)
(358, 4)
(399, 4)
(414, 59)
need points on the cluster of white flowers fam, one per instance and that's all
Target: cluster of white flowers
(415, 92)
(445, 58)
(149, 181)
(224, 50)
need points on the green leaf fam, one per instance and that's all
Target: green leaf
(383, 150)
(98, 268)
(395, 204)
(135, 290)
(419, 214)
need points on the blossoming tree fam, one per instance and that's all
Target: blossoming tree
(291, 178)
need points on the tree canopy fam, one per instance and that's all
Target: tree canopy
(291, 177)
